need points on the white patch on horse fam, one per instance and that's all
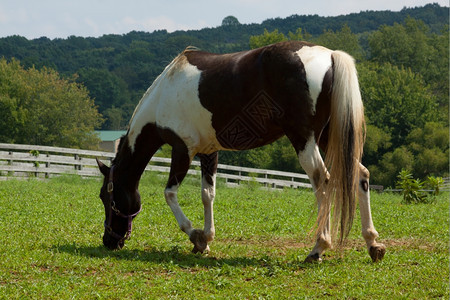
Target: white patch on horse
(208, 194)
(310, 158)
(317, 61)
(172, 200)
(172, 102)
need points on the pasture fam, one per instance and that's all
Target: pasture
(51, 246)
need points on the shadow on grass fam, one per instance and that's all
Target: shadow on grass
(174, 256)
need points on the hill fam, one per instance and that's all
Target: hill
(117, 69)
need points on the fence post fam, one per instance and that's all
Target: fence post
(10, 162)
(78, 166)
(47, 165)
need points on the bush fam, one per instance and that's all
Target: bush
(411, 188)
(434, 183)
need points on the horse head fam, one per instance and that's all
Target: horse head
(121, 204)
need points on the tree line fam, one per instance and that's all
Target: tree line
(402, 59)
(117, 69)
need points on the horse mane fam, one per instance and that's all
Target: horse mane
(191, 49)
(118, 157)
(167, 70)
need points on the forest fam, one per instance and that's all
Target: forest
(402, 60)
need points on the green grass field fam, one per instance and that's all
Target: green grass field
(51, 247)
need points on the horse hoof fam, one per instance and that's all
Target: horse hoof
(313, 258)
(198, 238)
(377, 252)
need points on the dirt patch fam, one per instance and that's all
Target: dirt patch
(277, 242)
(357, 244)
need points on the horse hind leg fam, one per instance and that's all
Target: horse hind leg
(376, 250)
(313, 164)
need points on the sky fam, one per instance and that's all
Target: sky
(93, 18)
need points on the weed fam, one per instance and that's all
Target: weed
(411, 188)
(434, 183)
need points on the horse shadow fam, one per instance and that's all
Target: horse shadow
(175, 256)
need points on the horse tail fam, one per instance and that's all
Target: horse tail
(345, 143)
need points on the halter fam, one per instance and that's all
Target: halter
(110, 189)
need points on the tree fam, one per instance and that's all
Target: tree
(396, 100)
(110, 94)
(430, 145)
(38, 107)
(377, 143)
(299, 35)
(280, 155)
(404, 45)
(399, 105)
(438, 78)
(283, 156)
(343, 40)
(114, 117)
(266, 38)
(105, 87)
(411, 45)
(390, 164)
(230, 21)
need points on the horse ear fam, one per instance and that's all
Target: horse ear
(104, 169)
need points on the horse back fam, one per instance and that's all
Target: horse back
(233, 101)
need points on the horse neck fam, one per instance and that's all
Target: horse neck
(129, 165)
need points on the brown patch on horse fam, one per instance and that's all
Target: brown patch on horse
(264, 90)
(364, 185)
(209, 166)
(180, 157)
(316, 178)
(364, 182)
(322, 115)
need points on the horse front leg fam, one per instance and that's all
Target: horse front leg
(178, 170)
(376, 250)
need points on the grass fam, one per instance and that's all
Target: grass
(51, 247)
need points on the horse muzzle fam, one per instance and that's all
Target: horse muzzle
(113, 243)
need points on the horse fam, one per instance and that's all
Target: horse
(204, 102)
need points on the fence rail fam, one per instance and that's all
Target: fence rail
(446, 185)
(45, 162)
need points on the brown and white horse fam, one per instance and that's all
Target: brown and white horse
(204, 102)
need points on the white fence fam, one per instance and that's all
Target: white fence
(45, 162)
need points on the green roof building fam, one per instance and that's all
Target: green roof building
(110, 139)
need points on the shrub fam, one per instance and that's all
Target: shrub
(434, 183)
(411, 188)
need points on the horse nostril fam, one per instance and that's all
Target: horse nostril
(109, 243)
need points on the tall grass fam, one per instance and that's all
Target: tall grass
(51, 246)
